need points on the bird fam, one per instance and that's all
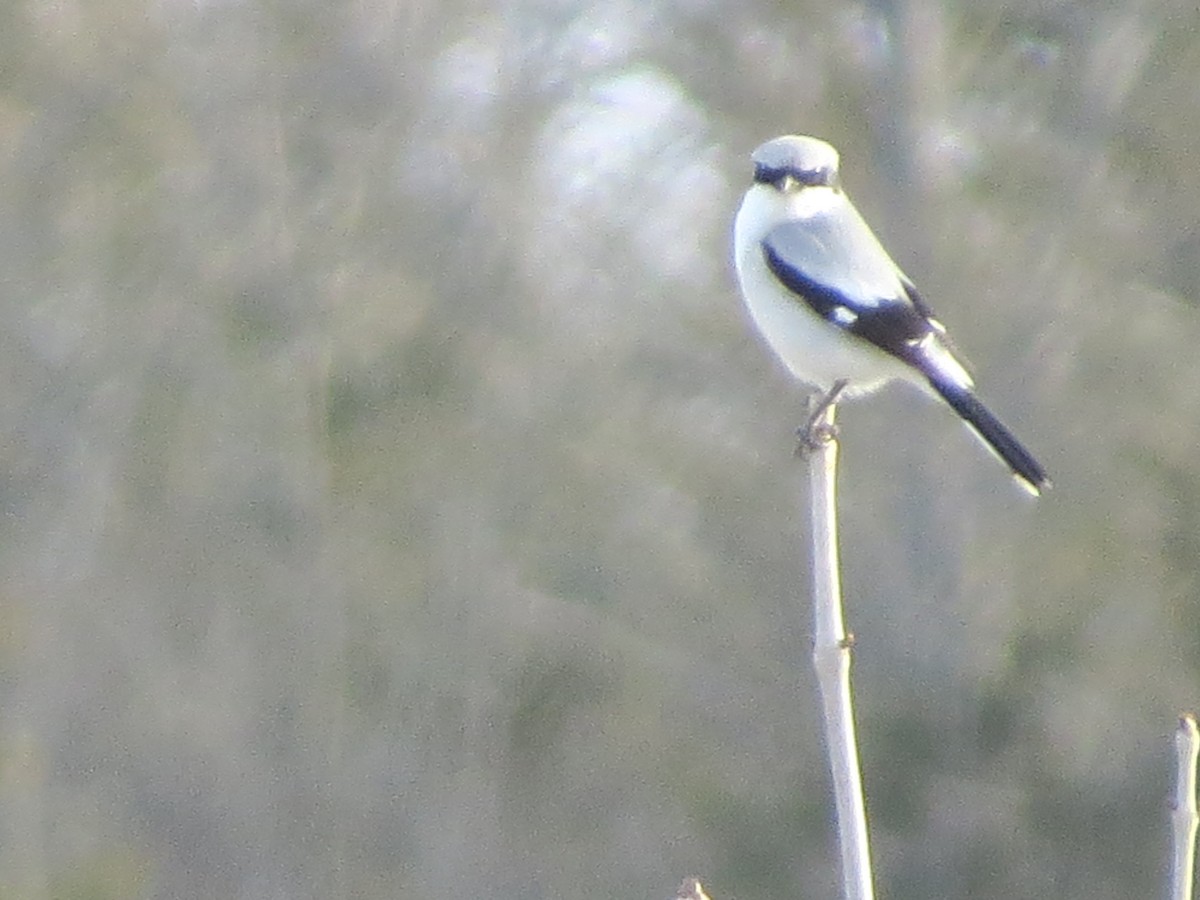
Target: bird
(833, 306)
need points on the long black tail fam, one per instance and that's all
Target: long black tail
(995, 435)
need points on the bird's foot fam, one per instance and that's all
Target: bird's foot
(812, 436)
(818, 430)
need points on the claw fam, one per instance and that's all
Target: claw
(818, 430)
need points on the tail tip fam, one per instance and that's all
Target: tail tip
(1035, 483)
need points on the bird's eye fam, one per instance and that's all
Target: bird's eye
(768, 174)
(823, 177)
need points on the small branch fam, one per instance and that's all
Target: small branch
(691, 890)
(1184, 818)
(831, 658)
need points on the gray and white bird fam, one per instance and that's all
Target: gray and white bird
(831, 303)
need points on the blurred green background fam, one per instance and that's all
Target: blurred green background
(396, 502)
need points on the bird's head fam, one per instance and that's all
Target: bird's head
(794, 162)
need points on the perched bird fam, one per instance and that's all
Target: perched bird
(831, 303)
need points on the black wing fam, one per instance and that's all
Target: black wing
(836, 265)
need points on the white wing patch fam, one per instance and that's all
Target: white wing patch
(843, 316)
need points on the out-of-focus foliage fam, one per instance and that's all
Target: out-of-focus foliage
(396, 504)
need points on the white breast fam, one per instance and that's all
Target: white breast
(816, 352)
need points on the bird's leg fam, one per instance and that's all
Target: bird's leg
(818, 430)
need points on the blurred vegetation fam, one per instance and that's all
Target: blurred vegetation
(397, 504)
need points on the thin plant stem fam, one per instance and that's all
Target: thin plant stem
(1184, 818)
(831, 659)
